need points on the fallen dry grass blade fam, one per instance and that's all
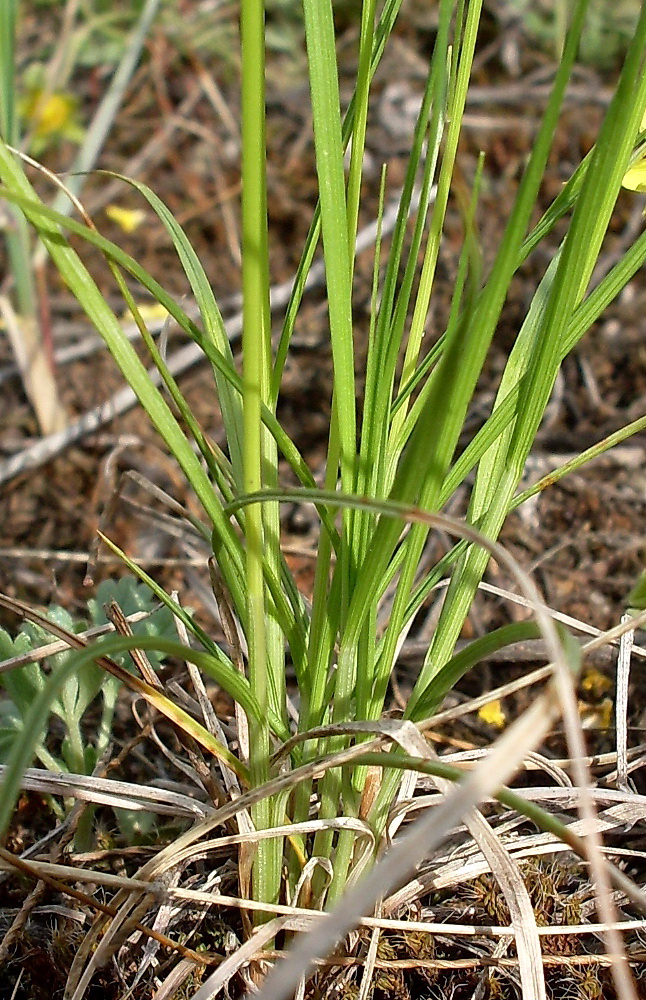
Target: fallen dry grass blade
(36, 370)
(105, 791)
(621, 703)
(261, 937)
(508, 876)
(423, 836)
(41, 871)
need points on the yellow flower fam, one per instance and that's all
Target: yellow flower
(595, 683)
(128, 219)
(492, 714)
(148, 313)
(53, 113)
(635, 176)
(51, 117)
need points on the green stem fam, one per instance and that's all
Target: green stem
(255, 348)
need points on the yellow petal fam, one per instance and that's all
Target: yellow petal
(148, 312)
(595, 682)
(51, 114)
(635, 177)
(597, 716)
(128, 219)
(492, 714)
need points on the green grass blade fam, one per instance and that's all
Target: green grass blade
(213, 324)
(464, 661)
(8, 119)
(324, 88)
(92, 301)
(114, 253)
(537, 353)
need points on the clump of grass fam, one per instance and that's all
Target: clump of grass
(389, 472)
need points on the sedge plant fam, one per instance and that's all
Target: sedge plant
(400, 454)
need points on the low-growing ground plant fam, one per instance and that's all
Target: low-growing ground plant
(74, 752)
(392, 465)
(79, 745)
